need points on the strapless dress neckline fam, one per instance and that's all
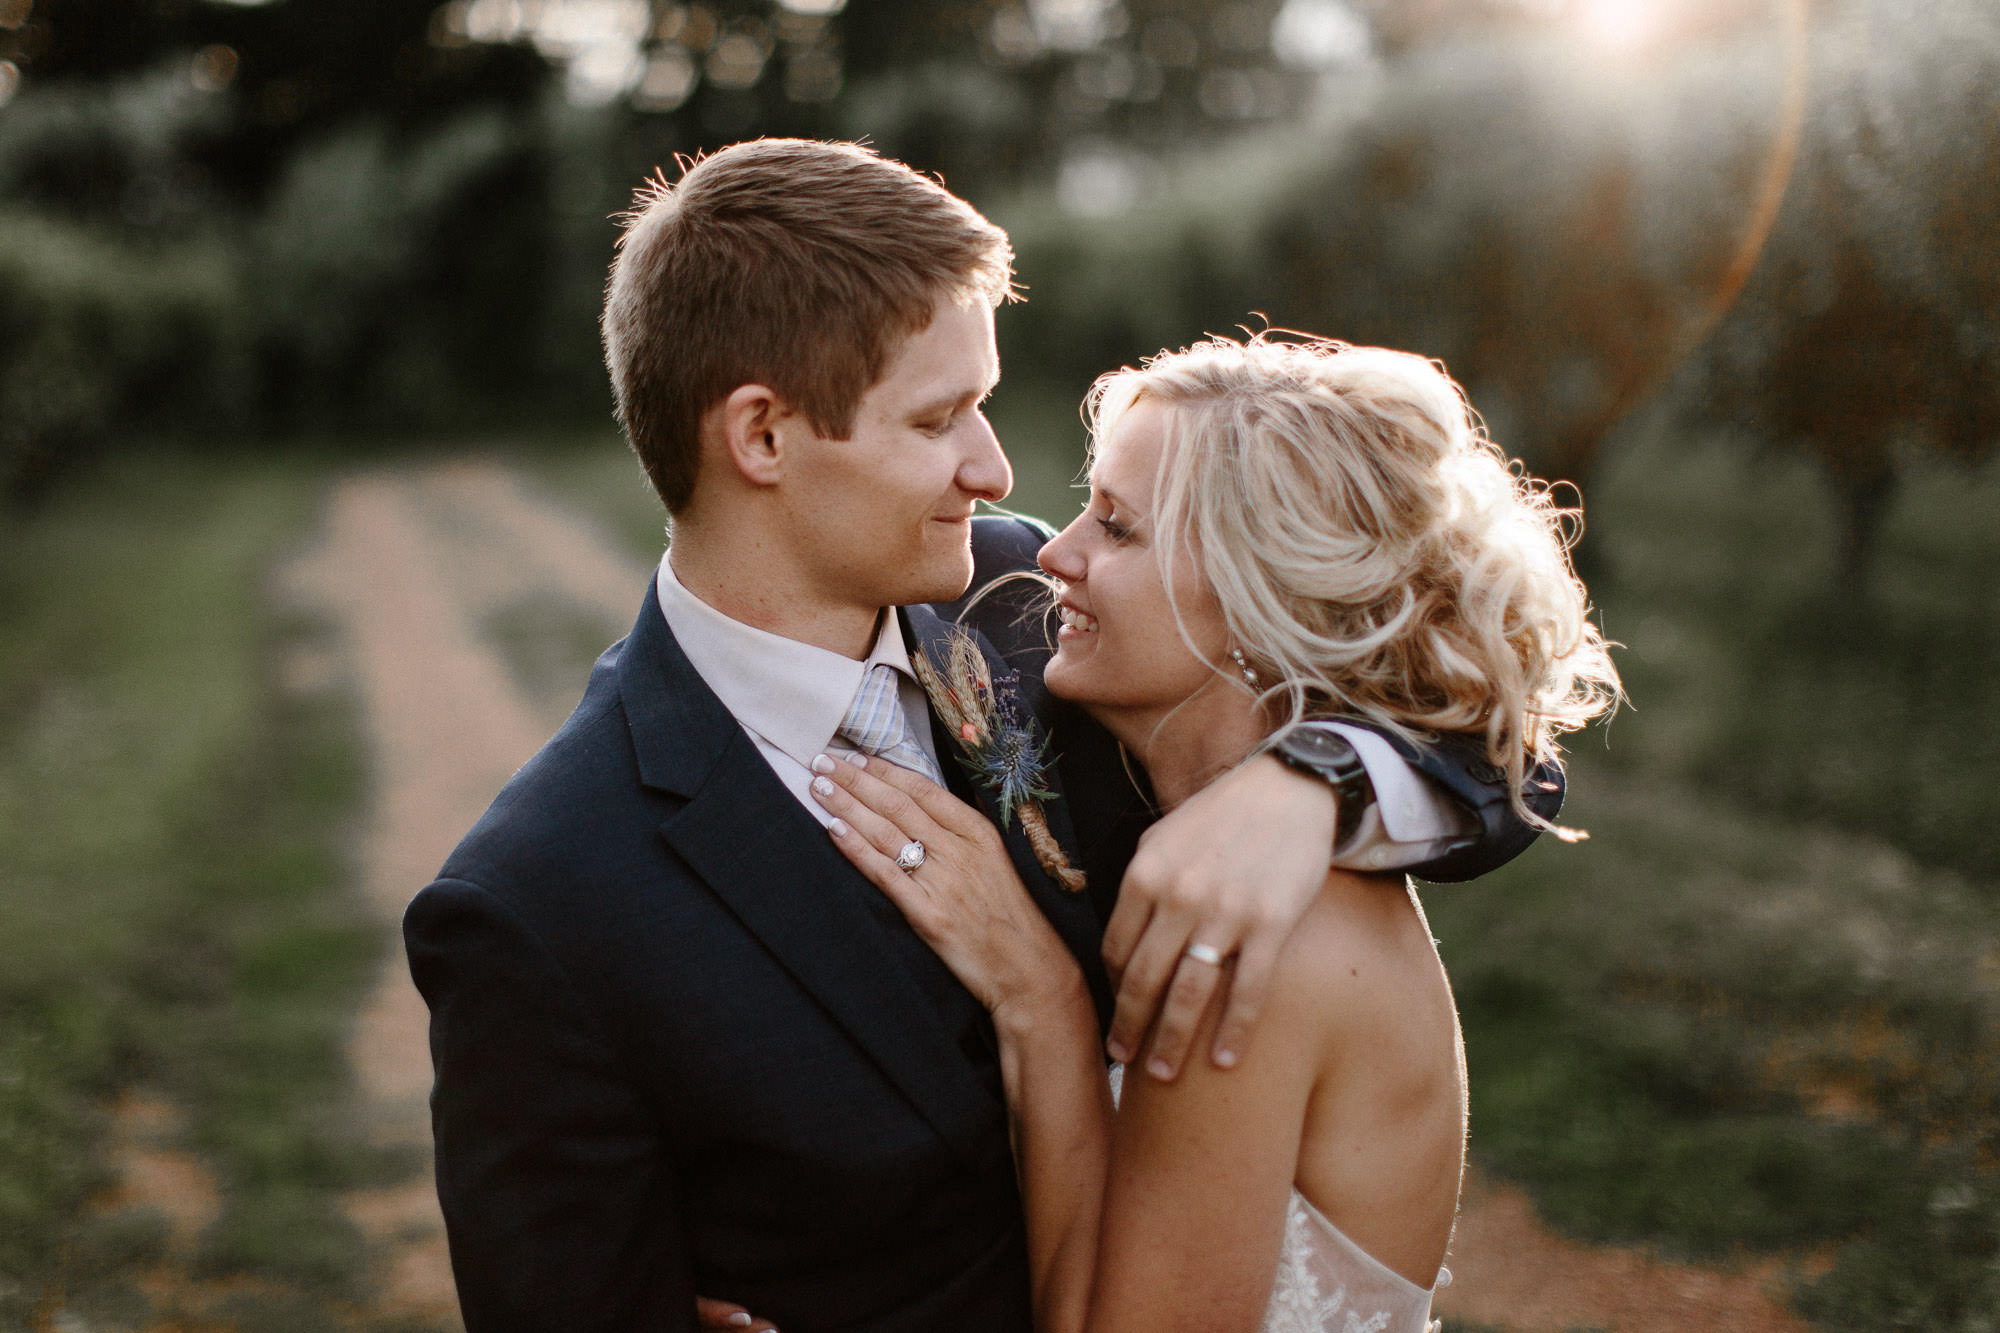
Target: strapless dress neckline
(1326, 1283)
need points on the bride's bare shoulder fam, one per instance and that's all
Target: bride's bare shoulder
(1361, 956)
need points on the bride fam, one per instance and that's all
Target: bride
(1276, 530)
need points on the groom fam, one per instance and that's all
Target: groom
(680, 1045)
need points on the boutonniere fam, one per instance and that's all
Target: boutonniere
(998, 745)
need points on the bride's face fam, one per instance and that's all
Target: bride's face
(1118, 651)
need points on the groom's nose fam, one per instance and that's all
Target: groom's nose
(984, 470)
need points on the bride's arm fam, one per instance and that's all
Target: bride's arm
(1059, 1110)
(1202, 1170)
(969, 905)
(1200, 1178)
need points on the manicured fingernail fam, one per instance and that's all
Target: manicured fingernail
(821, 787)
(858, 759)
(1225, 1059)
(1159, 1069)
(740, 1319)
(821, 764)
(838, 828)
(1118, 1051)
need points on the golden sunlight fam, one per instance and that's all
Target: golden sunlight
(1621, 25)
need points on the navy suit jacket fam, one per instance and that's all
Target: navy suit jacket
(681, 1045)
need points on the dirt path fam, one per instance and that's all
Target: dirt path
(1508, 1271)
(415, 566)
(421, 568)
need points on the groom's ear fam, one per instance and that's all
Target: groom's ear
(753, 422)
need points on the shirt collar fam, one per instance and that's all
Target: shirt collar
(792, 694)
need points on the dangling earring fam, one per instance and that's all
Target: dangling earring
(1243, 665)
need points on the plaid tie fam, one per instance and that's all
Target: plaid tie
(875, 723)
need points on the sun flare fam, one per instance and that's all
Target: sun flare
(1621, 25)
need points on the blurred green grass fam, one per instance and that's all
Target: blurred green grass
(1760, 1007)
(1756, 675)
(175, 911)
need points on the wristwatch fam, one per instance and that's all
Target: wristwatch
(1327, 755)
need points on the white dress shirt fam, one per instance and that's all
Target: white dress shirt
(792, 697)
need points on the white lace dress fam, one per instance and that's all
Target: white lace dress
(1328, 1284)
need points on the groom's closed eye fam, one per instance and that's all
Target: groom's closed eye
(939, 415)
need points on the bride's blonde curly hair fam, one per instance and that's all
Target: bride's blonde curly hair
(1372, 551)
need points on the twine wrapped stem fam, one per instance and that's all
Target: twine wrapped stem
(997, 745)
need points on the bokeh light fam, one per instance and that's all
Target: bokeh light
(813, 76)
(1075, 25)
(669, 79)
(1099, 179)
(213, 68)
(602, 72)
(736, 61)
(1321, 34)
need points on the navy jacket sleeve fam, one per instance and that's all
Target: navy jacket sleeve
(558, 1202)
(1011, 615)
(1458, 763)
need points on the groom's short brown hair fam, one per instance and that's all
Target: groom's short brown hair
(790, 263)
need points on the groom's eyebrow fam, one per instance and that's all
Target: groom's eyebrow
(970, 394)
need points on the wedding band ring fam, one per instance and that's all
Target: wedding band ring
(911, 856)
(1204, 953)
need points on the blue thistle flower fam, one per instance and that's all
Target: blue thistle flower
(998, 745)
(1011, 763)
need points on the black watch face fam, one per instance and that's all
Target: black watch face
(1319, 747)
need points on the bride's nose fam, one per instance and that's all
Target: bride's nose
(1060, 558)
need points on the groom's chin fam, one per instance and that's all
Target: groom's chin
(943, 579)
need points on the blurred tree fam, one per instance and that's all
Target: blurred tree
(1570, 238)
(1562, 235)
(1871, 334)
(398, 285)
(1562, 239)
(286, 71)
(357, 219)
(991, 93)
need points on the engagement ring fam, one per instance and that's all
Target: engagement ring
(1204, 953)
(911, 856)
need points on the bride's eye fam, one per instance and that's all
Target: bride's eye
(1117, 532)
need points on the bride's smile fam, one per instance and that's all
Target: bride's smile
(1133, 653)
(1123, 641)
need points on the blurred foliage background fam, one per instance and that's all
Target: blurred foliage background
(1729, 266)
(297, 217)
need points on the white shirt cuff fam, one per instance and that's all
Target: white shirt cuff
(1413, 819)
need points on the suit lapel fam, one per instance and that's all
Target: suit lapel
(775, 868)
(1072, 914)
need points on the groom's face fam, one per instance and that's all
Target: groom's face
(885, 514)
